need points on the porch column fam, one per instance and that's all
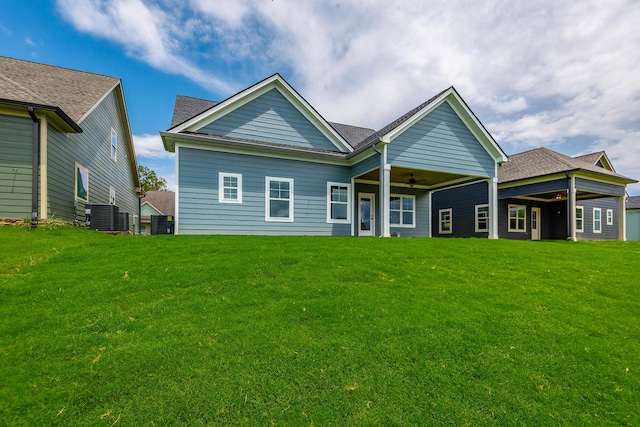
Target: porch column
(430, 232)
(44, 173)
(622, 219)
(385, 191)
(571, 207)
(493, 207)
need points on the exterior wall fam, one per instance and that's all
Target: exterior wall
(441, 142)
(200, 212)
(91, 149)
(462, 201)
(633, 224)
(552, 221)
(600, 187)
(537, 188)
(609, 232)
(15, 166)
(270, 118)
(365, 165)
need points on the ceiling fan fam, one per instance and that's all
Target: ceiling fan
(413, 181)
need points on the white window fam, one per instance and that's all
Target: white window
(279, 199)
(82, 183)
(112, 195)
(597, 220)
(579, 218)
(114, 145)
(482, 218)
(445, 220)
(402, 210)
(517, 218)
(338, 196)
(609, 216)
(229, 187)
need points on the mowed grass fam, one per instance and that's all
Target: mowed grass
(194, 330)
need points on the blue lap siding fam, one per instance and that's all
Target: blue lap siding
(200, 212)
(270, 118)
(462, 201)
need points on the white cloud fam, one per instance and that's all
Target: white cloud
(150, 147)
(536, 73)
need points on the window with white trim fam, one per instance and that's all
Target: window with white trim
(445, 217)
(229, 187)
(609, 216)
(82, 183)
(597, 220)
(279, 199)
(402, 210)
(482, 218)
(517, 218)
(112, 195)
(338, 203)
(579, 218)
(114, 144)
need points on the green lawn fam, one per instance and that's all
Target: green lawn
(130, 330)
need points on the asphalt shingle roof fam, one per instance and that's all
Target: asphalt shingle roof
(542, 161)
(633, 202)
(187, 107)
(74, 92)
(163, 201)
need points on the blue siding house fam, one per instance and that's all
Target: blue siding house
(65, 142)
(264, 161)
(633, 218)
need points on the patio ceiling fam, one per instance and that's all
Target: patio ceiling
(418, 178)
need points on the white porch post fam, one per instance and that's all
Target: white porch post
(571, 206)
(493, 207)
(622, 219)
(385, 191)
(430, 232)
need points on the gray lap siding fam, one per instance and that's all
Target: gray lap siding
(15, 166)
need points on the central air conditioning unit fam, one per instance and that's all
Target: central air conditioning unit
(162, 224)
(102, 217)
(123, 221)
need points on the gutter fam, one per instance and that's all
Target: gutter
(34, 167)
(73, 126)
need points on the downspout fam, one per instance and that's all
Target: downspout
(34, 167)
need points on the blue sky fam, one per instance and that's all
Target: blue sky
(563, 75)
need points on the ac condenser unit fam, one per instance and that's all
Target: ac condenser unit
(102, 217)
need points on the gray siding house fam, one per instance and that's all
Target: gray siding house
(65, 141)
(633, 218)
(543, 194)
(264, 161)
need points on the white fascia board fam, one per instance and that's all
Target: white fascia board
(253, 92)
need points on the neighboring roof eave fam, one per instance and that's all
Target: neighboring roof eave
(252, 92)
(553, 175)
(67, 124)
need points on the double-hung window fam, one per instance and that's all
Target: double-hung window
(482, 218)
(609, 216)
(579, 218)
(229, 187)
(597, 220)
(445, 219)
(402, 210)
(82, 183)
(114, 145)
(338, 196)
(279, 199)
(517, 218)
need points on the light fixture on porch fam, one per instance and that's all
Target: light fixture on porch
(559, 196)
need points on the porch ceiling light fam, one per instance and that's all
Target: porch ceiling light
(558, 196)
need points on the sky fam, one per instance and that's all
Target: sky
(546, 73)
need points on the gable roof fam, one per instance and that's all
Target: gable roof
(460, 107)
(162, 201)
(543, 161)
(187, 107)
(241, 98)
(633, 202)
(70, 94)
(597, 159)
